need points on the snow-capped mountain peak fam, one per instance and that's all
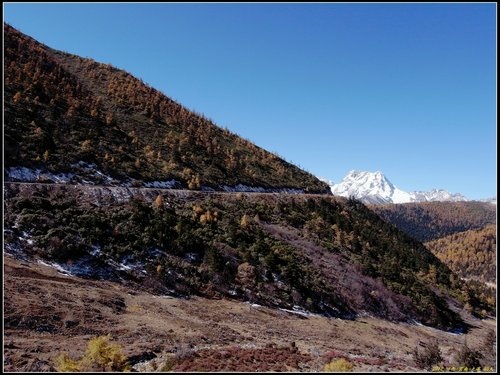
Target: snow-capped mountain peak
(492, 200)
(371, 187)
(374, 187)
(436, 195)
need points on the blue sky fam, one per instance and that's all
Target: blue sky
(407, 89)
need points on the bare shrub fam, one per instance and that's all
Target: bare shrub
(184, 351)
(168, 365)
(468, 357)
(490, 341)
(430, 356)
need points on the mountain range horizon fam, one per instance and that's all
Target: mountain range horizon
(376, 188)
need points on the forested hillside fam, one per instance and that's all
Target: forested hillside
(427, 221)
(98, 124)
(472, 255)
(326, 255)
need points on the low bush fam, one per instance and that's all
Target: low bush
(339, 365)
(467, 357)
(100, 355)
(429, 357)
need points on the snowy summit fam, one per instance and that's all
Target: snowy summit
(375, 188)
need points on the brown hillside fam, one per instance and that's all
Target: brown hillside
(64, 113)
(427, 221)
(47, 313)
(471, 254)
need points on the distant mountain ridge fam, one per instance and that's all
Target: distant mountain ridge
(375, 188)
(427, 221)
(492, 200)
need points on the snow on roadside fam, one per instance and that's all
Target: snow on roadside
(162, 184)
(23, 174)
(88, 174)
(240, 188)
(33, 175)
(84, 171)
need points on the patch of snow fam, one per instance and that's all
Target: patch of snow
(90, 170)
(96, 250)
(124, 267)
(25, 236)
(240, 188)
(57, 266)
(127, 264)
(61, 178)
(456, 332)
(192, 257)
(23, 174)
(275, 277)
(297, 310)
(162, 184)
(253, 304)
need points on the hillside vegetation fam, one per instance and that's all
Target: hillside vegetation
(48, 314)
(428, 221)
(64, 112)
(99, 125)
(472, 255)
(320, 254)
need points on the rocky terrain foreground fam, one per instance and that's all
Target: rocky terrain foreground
(47, 312)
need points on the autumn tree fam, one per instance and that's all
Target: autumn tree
(245, 221)
(17, 97)
(159, 201)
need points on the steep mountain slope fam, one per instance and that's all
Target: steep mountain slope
(321, 254)
(428, 221)
(83, 121)
(375, 188)
(472, 255)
